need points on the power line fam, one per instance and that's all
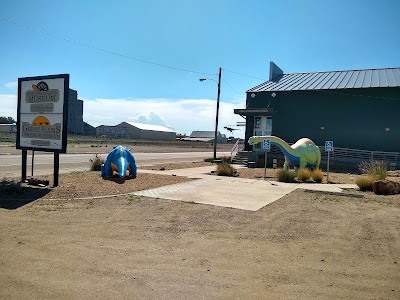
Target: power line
(245, 75)
(100, 49)
(231, 87)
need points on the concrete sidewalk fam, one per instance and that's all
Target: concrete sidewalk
(247, 194)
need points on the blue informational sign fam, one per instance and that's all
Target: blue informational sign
(329, 146)
(267, 145)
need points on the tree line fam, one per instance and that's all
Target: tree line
(7, 120)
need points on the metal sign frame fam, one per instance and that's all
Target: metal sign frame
(43, 110)
(42, 99)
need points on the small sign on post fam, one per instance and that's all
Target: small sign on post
(267, 148)
(328, 148)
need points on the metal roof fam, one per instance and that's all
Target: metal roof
(150, 127)
(353, 79)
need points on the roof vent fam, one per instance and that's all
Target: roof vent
(274, 70)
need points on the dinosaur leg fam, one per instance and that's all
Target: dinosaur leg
(286, 164)
(303, 162)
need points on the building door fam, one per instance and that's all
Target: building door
(262, 126)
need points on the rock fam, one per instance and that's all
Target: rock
(386, 187)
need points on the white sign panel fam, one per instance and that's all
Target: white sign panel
(329, 146)
(42, 112)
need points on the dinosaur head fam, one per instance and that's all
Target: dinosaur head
(254, 140)
(120, 166)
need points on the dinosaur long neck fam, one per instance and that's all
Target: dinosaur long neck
(285, 147)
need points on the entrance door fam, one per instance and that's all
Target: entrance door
(262, 126)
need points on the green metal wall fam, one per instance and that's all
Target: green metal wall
(350, 120)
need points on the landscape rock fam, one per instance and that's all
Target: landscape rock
(386, 187)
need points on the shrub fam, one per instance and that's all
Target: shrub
(225, 159)
(365, 182)
(286, 175)
(10, 186)
(209, 159)
(378, 169)
(317, 175)
(225, 169)
(303, 174)
(96, 163)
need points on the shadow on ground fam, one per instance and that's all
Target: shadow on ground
(13, 195)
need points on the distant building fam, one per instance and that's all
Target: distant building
(10, 128)
(136, 131)
(207, 136)
(76, 125)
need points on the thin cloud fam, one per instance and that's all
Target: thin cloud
(182, 115)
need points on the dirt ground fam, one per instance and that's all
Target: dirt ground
(56, 245)
(306, 245)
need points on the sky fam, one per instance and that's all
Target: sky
(141, 61)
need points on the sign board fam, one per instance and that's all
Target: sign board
(329, 146)
(267, 145)
(42, 113)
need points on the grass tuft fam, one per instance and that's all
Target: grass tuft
(96, 163)
(317, 176)
(225, 169)
(365, 182)
(303, 174)
(375, 168)
(286, 175)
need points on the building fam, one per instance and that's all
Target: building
(76, 125)
(207, 136)
(136, 131)
(9, 128)
(357, 109)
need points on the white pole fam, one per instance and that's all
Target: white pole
(265, 165)
(327, 171)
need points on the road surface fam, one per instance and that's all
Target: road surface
(10, 165)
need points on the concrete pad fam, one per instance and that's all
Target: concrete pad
(226, 192)
(248, 194)
(320, 187)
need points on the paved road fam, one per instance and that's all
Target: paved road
(10, 165)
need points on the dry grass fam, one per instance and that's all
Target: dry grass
(303, 174)
(317, 176)
(365, 182)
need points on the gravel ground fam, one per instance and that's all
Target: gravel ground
(56, 245)
(303, 246)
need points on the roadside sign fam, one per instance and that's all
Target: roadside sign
(267, 145)
(329, 146)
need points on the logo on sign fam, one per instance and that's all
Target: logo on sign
(266, 145)
(329, 146)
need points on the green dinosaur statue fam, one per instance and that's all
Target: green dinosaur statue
(303, 154)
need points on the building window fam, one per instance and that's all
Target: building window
(262, 126)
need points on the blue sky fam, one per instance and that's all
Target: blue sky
(49, 37)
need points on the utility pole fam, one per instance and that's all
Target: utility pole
(216, 116)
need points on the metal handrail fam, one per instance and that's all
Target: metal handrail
(235, 149)
(343, 153)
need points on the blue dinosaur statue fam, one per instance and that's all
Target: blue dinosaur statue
(119, 160)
